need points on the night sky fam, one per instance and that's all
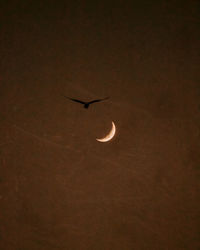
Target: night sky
(59, 187)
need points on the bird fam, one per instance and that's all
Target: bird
(86, 104)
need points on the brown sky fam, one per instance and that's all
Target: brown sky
(59, 187)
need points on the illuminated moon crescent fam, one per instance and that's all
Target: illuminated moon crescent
(110, 135)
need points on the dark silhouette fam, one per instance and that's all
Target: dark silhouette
(86, 104)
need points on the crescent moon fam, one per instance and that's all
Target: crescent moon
(110, 135)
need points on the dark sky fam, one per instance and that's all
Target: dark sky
(59, 187)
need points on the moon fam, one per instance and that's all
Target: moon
(110, 135)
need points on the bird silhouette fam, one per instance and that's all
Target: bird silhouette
(86, 104)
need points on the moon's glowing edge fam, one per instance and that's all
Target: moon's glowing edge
(110, 135)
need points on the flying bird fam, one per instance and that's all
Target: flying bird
(86, 104)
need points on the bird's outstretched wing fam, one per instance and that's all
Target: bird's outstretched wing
(98, 100)
(75, 100)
